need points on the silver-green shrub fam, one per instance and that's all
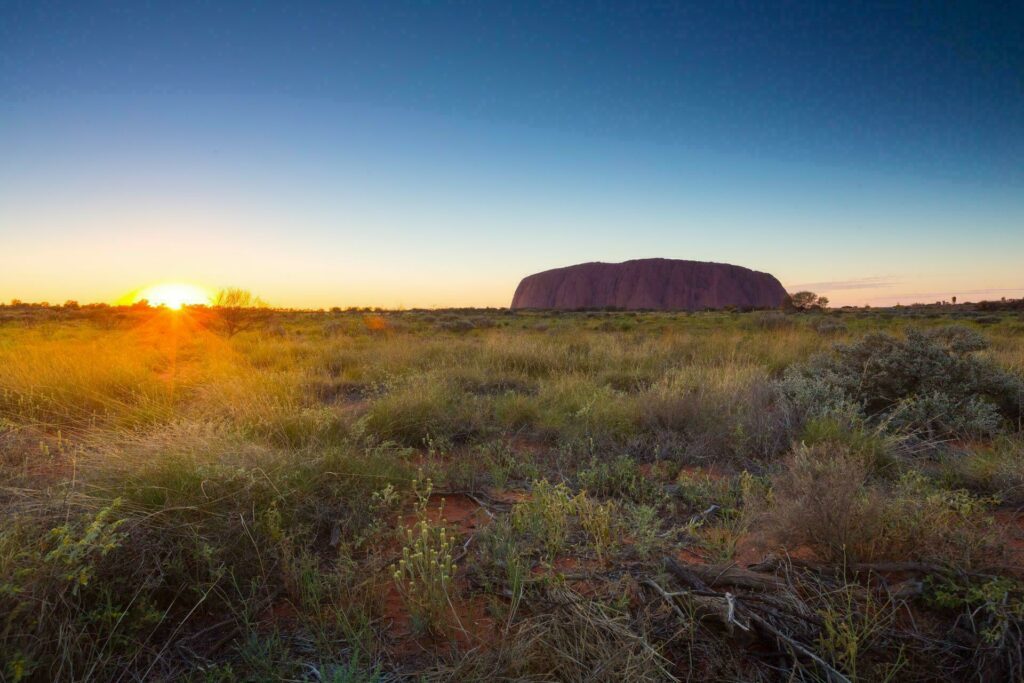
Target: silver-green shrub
(932, 382)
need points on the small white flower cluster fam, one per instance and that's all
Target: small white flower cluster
(425, 571)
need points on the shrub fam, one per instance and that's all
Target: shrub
(575, 407)
(482, 322)
(930, 382)
(806, 301)
(545, 517)
(584, 640)
(597, 521)
(736, 413)
(699, 491)
(828, 327)
(78, 547)
(642, 523)
(824, 500)
(815, 396)
(458, 326)
(992, 608)
(718, 505)
(423, 408)
(939, 414)
(57, 591)
(332, 328)
(237, 310)
(995, 470)
(873, 445)
(771, 320)
(854, 626)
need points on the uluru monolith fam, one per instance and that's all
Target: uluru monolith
(655, 283)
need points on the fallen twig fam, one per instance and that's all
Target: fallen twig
(833, 674)
(725, 607)
(702, 517)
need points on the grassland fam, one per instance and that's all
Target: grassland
(480, 495)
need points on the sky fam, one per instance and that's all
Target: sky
(421, 154)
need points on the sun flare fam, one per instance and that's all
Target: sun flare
(174, 295)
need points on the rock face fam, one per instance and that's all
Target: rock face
(657, 283)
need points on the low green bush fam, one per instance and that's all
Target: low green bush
(933, 383)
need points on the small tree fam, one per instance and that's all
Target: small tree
(807, 301)
(237, 309)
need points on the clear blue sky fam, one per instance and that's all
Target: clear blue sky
(421, 154)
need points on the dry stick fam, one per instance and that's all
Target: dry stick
(731, 614)
(483, 506)
(456, 615)
(778, 604)
(773, 562)
(703, 516)
(486, 505)
(668, 597)
(689, 577)
(700, 577)
(833, 674)
(684, 574)
(465, 549)
(731, 603)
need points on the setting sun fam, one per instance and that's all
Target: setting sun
(174, 295)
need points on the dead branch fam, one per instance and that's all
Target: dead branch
(684, 574)
(725, 608)
(701, 577)
(797, 647)
(704, 516)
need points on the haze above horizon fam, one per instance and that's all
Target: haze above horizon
(419, 155)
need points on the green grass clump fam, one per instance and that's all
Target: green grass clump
(621, 478)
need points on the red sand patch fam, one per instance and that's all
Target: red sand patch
(459, 512)
(474, 625)
(508, 497)
(749, 550)
(468, 625)
(689, 555)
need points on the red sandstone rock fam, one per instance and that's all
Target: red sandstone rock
(661, 284)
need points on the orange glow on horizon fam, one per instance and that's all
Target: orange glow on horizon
(173, 295)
